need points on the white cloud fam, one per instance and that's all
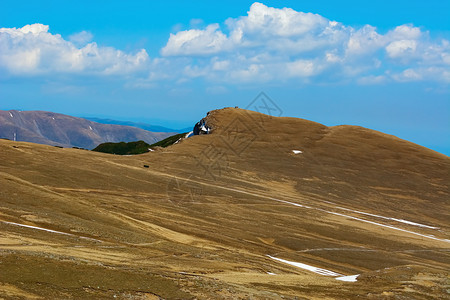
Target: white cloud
(34, 29)
(407, 75)
(275, 29)
(446, 58)
(268, 22)
(220, 65)
(372, 79)
(305, 45)
(302, 68)
(216, 90)
(33, 50)
(196, 42)
(251, 73)
(407, 31)
(81, 38)
(195, 22)
(364, 41)
(267, 45)
(422, 73)
(401, 48)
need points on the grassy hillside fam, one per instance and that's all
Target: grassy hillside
(234, 214)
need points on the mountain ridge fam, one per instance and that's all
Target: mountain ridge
(67, 131)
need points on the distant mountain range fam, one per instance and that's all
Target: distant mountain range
(145, 126)
(66, 131)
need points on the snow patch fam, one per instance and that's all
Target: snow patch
(201, 128)
(386, 226)
(270, 273)
(387, 218)
(335, 213)
(350, 278)
(150, 149)
(307, 267)
(362, 220)
(413, 223)
(49, 230)
(189, 134)
(11, 115)
(297, 151)
(204, 128)
(90, 128)
(291, 203)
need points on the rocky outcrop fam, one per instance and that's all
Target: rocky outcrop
(201, 128)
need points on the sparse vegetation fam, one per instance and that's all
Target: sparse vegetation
(168, 141)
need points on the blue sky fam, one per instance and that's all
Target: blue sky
(384, 65)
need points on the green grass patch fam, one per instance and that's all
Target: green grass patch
(168, 141)
(123, 148)
(138, 147)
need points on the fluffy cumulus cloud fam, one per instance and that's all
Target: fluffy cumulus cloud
(33, 50)
(281, 44)
(266, 45)
(196, 41)
(81, 38)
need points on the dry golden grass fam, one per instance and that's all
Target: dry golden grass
(201, 220)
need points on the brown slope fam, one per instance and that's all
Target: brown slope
(62, 130)
(348, 164)
(182, 229)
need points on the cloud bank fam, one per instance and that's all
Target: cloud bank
(266, 45)
(32, 50)
(279, 44)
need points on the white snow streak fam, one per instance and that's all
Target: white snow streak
(291, 203)
(413, 223)
(387, 226)
(49, 230)
(307, 267)
(338, 214)
(387, 218)
(297, 151)
(11, 115)
(351, 278)
(320, 271)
